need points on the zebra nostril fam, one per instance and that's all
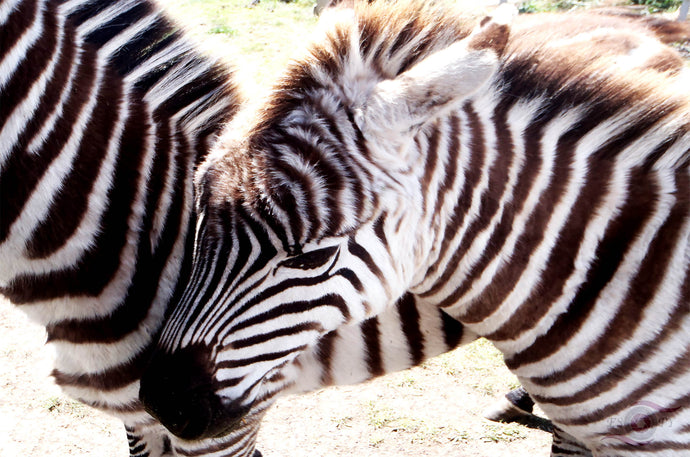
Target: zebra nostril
(178, 390)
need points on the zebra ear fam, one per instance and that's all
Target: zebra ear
(397, 108)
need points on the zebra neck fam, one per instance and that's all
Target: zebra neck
(537, 230)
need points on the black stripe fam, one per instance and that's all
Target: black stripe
(222, 221)
(372, 343)
(450, 169)
(360, 252)
(643, 286)
(17, 23)
(111, 379)
(21, 173)
(472, 177)
(324, 349)
(144, 46)
(107, 31)
(610, 252)
(452, 330)
(267, 357)
(283, 331)
(409, 315)
(295, 307)
(69, 206)
(34, 61)
(87, 10)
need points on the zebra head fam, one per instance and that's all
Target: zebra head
(291, 224)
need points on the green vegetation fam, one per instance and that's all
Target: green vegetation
(541, 6)
(496, 433)
(62, 405)
(654, 6)
(258, 37)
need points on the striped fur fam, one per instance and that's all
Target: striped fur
(534, 187)
(105, 111)
(94, 236)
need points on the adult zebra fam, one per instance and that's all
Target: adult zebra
(534, 186)
(105, 110)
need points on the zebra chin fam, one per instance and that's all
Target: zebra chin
(179, 391)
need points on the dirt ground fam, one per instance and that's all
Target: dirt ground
(434, 410)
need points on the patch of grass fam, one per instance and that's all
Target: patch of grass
(459, 436)
(223, 29)
(479, 365)
(375, 440)
(60, 405)
(408, 380)
(542, 6)
(496, 433)
(259, 38)
(379, 417)
(655, 6)
(341, 422)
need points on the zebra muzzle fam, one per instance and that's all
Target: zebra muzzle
(178, 390)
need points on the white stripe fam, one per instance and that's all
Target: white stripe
(472, 212)
(49, 186)
(518, 122)
(6, 9)
(213, 323)
(395, 354)
(594, 232)
(23, 113)
(655, 315)
(349, 356)
(532, 273)
(12, 59)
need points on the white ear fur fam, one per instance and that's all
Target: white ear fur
(397, 108)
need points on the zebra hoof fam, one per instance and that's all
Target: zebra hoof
(516, 405)
(257, 453)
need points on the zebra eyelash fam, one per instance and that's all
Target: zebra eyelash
(312, 260)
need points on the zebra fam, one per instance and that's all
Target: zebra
(529, 180)
(106, 109)
(399, 338)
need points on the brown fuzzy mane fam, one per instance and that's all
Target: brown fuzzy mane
(564, 59)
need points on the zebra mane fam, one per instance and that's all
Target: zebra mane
(611, 61)
(357, 47)
(302, 144)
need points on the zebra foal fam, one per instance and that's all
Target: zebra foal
(531, 182)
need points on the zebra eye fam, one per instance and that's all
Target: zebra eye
(310, 260)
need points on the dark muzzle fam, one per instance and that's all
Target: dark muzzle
(178, 389)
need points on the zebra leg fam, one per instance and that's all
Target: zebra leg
(565, 445)
(149, 442)
(516, 405)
